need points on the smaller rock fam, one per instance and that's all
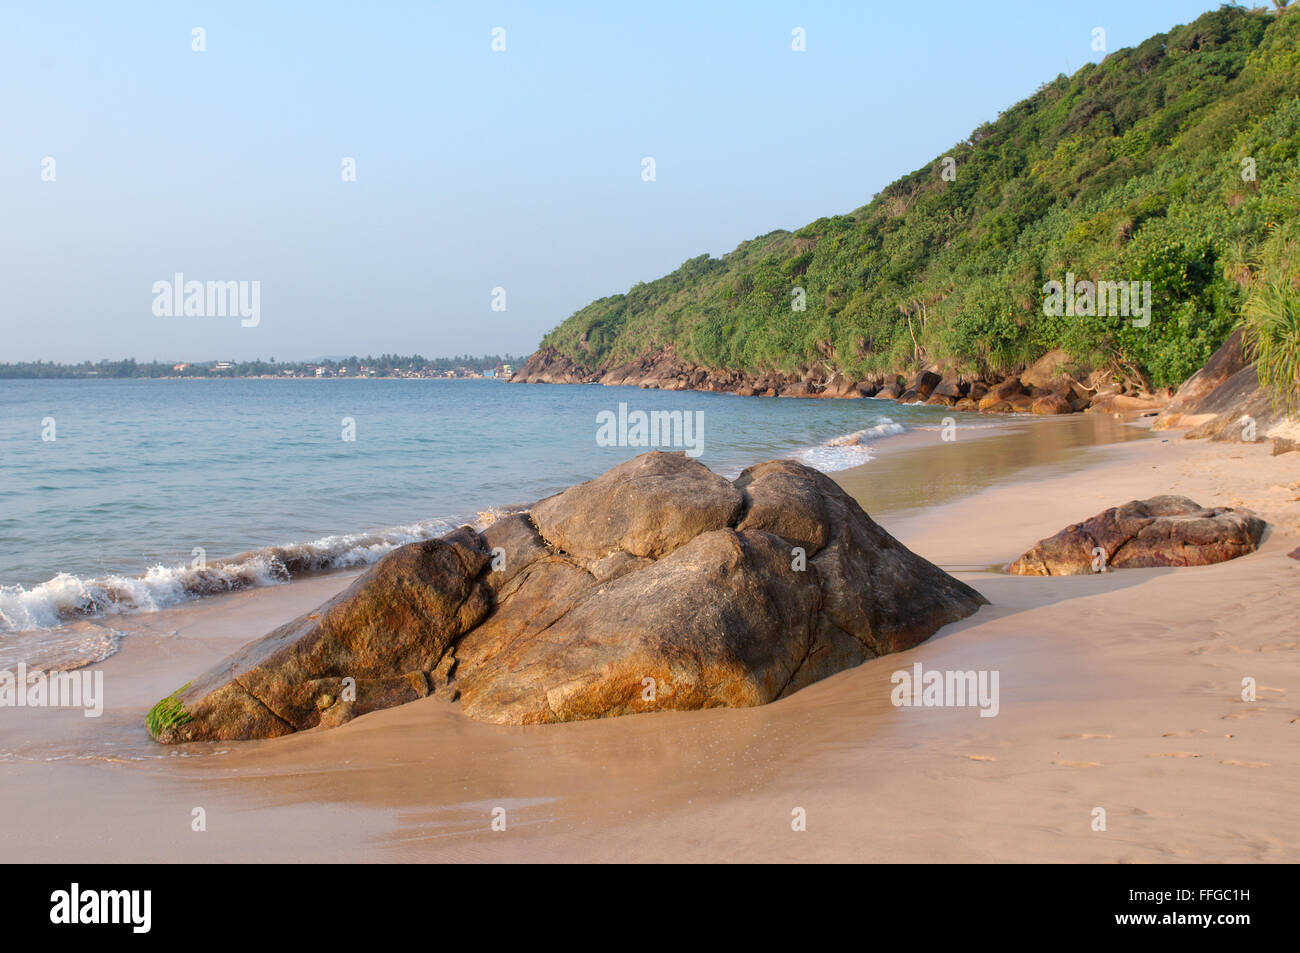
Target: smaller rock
(1161, 531)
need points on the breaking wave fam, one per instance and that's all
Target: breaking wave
(66, 597)
(849, 450)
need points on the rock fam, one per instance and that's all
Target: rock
(1051, 404)
(1049, 372)
(1001, 392)
(515, 545)
(967, 404)
(647, 506)
(780, 498)
(923, 384)
(1295, 553)
(840, 386)
(1161, 531)
(951, 386)
(1182, 410)
(386, 631)
(1125, 403)
(656, 586)
(722, 621)
(726, 620)
(1223, 401)
(1285, 445)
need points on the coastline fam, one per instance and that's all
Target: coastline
(1118, 691)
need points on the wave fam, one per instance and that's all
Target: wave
(849, 450)
(66, 597)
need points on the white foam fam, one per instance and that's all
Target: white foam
(849, 450)
(67, 597)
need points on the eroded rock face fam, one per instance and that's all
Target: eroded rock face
(1161, 531)
(657, 586)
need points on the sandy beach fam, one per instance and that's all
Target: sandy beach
(1120, 691)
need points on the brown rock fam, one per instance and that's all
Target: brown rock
(1184, 409)
(951, 386)
(647, 506)
(1001, 392)
(1049, 372)
(722, 621)
(726, 619)
(1051, 404)
(923, 384)
(781, 498)
(1125, 403)
(656, 586)
(385, 631)
(1161, 531)
(840, 386)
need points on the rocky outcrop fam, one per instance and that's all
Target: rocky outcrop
(1045, 387)
(1161, 531)
(1223, 365)
(1223, 401)
(657, 586)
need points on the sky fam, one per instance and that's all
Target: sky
(476, 168)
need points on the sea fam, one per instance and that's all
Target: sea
(131, 496)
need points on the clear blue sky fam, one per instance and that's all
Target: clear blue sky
(475, 169)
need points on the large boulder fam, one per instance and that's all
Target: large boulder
(1161, 531)
(659, 585)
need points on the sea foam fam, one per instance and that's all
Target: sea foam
(67, 597)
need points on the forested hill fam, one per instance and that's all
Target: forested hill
(1175, 162)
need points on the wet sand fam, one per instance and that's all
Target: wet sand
(1119, 691)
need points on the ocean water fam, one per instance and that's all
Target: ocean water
(131, 496)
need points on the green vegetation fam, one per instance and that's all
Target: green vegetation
(168, 713)
(1272, 338)
(1174, 162)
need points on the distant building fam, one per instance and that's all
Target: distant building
(507, 370)
(179, 367)
(223, 366)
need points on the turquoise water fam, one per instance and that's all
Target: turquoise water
(143, 479)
